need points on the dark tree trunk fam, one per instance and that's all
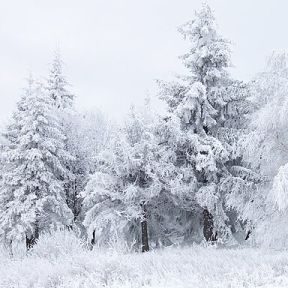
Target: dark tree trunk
(144, 230)
(208, 226)
(248, 235)
(32, 240)
(93, 240)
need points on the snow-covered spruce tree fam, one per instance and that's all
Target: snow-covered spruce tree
(63, 101)
(123, 191)
(57, 85)
(266, 151)
(32, 190)
(208, 106)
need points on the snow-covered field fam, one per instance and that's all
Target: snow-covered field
(61, 262)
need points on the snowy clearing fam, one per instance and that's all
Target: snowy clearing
(171, 267)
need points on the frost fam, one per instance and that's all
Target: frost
(279, 191)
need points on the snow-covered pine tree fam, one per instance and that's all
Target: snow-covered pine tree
(208, 106)
(63, 100)
(32, 194)
(57, 85)
(120, 195)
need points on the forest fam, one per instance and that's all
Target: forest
(206, 178)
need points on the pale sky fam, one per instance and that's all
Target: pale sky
(115, 49)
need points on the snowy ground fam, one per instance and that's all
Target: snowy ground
(67, 264)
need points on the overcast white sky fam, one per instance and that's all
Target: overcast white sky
(114, 49)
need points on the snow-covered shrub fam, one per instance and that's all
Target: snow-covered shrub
(58, 244)
(272, 229)
(272, 232)
(5, 252)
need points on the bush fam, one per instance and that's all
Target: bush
(58, 244)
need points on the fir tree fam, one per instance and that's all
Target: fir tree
(32, 193)
(207, 105)
(57, 85)
(63, 100)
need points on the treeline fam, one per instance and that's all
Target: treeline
(212, 168)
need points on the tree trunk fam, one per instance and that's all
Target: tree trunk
(30, 242)
(208, 226)
(144, 230)
(93, 240)
(248, 235)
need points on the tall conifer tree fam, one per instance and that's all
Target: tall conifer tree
(207, 105)
(32, 190)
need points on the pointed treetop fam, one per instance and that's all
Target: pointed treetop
(57, 63)
(57, 84)
(209, 53)
(203, 23)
